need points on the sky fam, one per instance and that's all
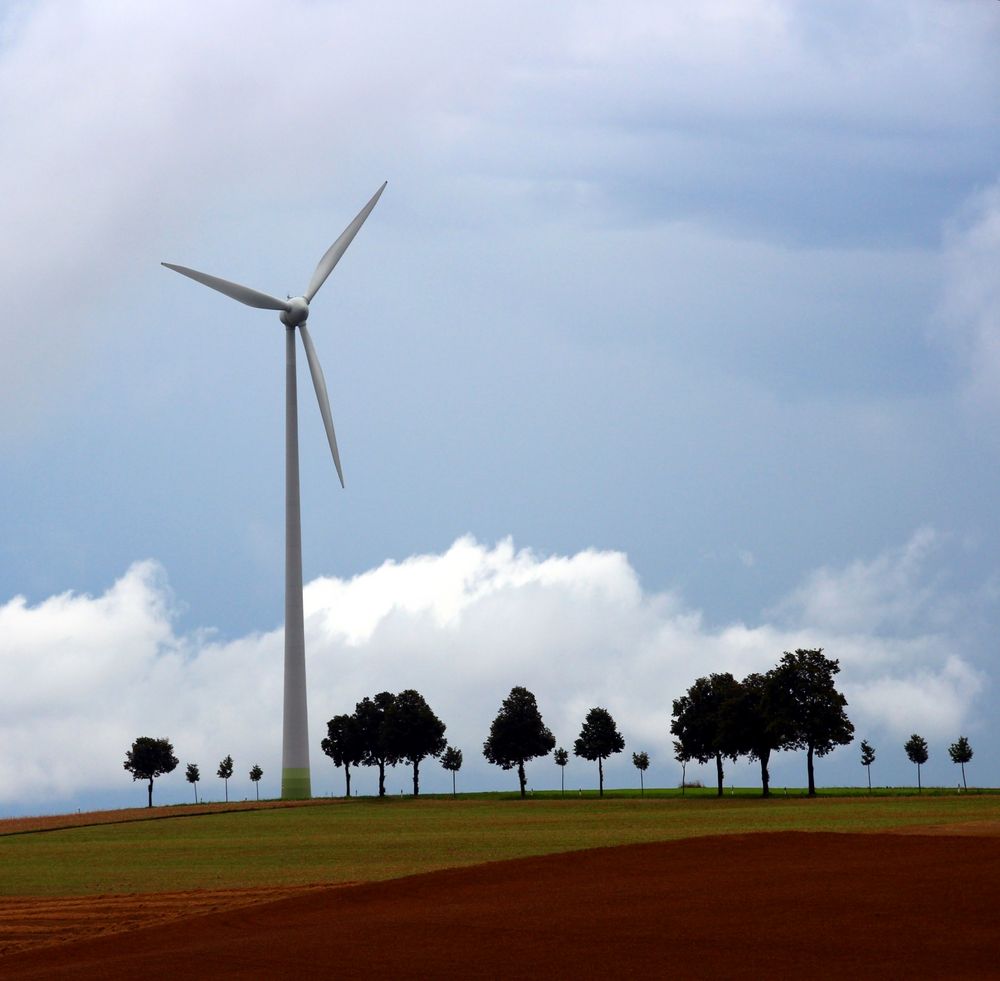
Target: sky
(673, 344)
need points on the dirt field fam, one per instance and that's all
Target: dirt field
(791, 903)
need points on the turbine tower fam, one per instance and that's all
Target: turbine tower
(295, 779)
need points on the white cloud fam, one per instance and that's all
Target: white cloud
(82, 676)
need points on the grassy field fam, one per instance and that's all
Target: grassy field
(368, 839)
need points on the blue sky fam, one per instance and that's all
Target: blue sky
(673, 343)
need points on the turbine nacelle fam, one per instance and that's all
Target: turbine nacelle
(296, 312)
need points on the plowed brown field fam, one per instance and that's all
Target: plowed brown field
(786, 904)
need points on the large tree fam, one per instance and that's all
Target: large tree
(916, 750)
(961, 752)
(370, 715)
(748, 726)
(451, 760)
(518, 734)
(806, 708)
(867, 758)
(699, 723)
(225, 771)
(412, 731)
(599, 738)
(150, 758)
(344, 745)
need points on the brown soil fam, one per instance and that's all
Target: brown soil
(787, 904)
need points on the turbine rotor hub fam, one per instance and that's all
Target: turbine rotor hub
(297, 313)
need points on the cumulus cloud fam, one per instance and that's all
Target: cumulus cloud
(83, 675)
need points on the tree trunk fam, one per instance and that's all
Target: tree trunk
(684, 778)
(227, 790)
(765, 777)
(869, 769)
(920, 789)
(642, 785)
(719, 773)
(964, 784)
(812, 776)
(416, 777)
(452, 783)
(256, 786)
(381, 778)
(150, 804)
(521, 776)
(562, 781)
(600, 776)
(347, 777)
(195, 792)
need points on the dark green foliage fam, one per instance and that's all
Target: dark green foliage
(598, 739)
(641, 762)
(805, 708)
(916, 750)
(451, 760)
(344, 744)
(748, 726)
(699, 722)
(150, 758)
(255, 774)
(193, 775)
(518, 734)
(867, 758)
(412, 732)
(961, 752)
(225, 771)
(562, 758)
(370, 715)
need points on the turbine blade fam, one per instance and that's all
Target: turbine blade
(324, 403)
(252, 298)
(339, 247)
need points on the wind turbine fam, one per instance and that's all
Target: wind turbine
(295, 779)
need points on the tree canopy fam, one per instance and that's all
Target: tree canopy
(255, 774)
(225, 771)
(641, 762)
(599, 738)
(747, 724)
(344, 744)
(412, 732)
(370, 715)
(193, 775)
(150, 758)
(699, 723)
(867, 758)
(518, 734)
(805, 707)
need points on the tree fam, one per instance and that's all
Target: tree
(255, 774)
(226, 771)
(641, 762)
(681, 755)
(193, 775)
(562, 758)
(698, 722)
(150, 758)
(867, 758)
(598, 739)
(344, 744)
(451, 760)
(916, 750)
(806, 708)
(748, 725)
(518, 734)
(412, 731)
(370, 715)
(961, 752)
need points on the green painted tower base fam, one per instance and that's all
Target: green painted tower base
(295, 784)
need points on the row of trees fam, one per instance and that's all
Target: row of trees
(795, 705)
(150, 758)
(917, 752)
